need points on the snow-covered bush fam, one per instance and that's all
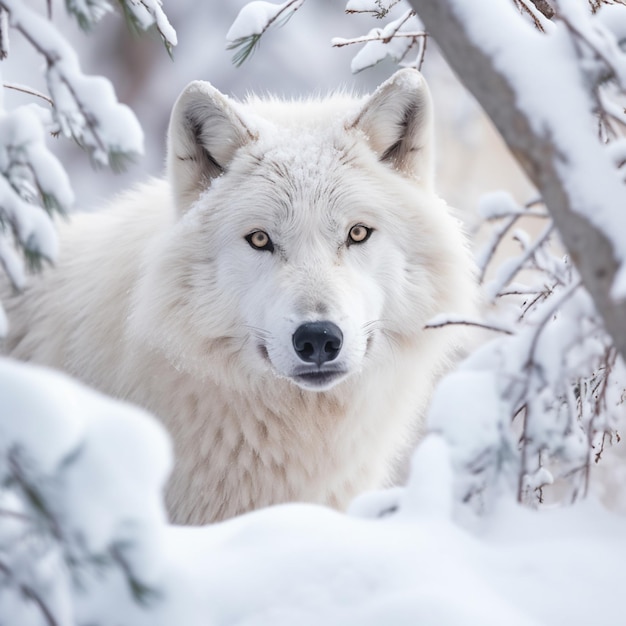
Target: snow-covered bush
(33, 183)
(81, 513)
(59, 546)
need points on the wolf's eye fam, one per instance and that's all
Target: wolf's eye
(260, 240)
(359, 234)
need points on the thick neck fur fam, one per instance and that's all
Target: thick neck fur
(243, 446)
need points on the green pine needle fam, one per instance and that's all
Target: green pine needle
(244, 47)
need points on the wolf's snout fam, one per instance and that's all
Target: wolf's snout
(318, 342)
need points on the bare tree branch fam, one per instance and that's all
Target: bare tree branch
(28, 90)
(544, 7)
(4, 34)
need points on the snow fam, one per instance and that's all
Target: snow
(255, 17)
(89, 11)
(85, 107)
(85, 473)
(149, 12)
(365, 6)
(32, 226)
(394, 40)
(594, 186)
(497, 204)
(101, 466)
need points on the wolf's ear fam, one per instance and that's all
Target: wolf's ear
(397, 121)
(205, 132)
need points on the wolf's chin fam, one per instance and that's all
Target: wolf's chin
(319, 381)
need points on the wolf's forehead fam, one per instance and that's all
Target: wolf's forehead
(303, 152)
(305, 174)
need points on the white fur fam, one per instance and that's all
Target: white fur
(161, 300)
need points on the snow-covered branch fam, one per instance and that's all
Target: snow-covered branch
(85, 107)
(253, 21)
(544, 398)
(140, 15)
(545, 112)
(33, 183)
(145, 14)
(395, 40)
(61, 548)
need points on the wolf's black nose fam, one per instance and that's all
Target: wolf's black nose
(318, 342)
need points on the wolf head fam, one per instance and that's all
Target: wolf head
(307, 240)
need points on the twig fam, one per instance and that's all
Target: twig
(29, 90)
(523, 258)
(524, 8)
(599, 52)
(16, 515)
(29, 593)
(4, 34)
(17, 472)
(485, 325)
(544, 7)
(379, 13)
(493, 245)
(547, 315)
(338, 42)
(422, 54)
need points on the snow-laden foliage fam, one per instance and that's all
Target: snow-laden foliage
(145, 14)
(556, 374)
(553, 372)
(32, 186)
(401, 38)
(396, 40)
(140, 14)
(252, 22)
(80, 503)
(84, 540)
(33, 183)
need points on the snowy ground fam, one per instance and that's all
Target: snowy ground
(100, 466)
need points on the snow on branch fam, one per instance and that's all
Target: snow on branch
(378, 8)
(547, 113)
(33, 186)
(537, 405)
(85, 107)
(33, 183)
(140, 14)
(65, 552)
(395, 40)
(88, 12)
(145, 14)
(254, 19)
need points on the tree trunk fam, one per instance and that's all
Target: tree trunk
(589, 249)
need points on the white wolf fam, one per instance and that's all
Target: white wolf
(268, 300)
